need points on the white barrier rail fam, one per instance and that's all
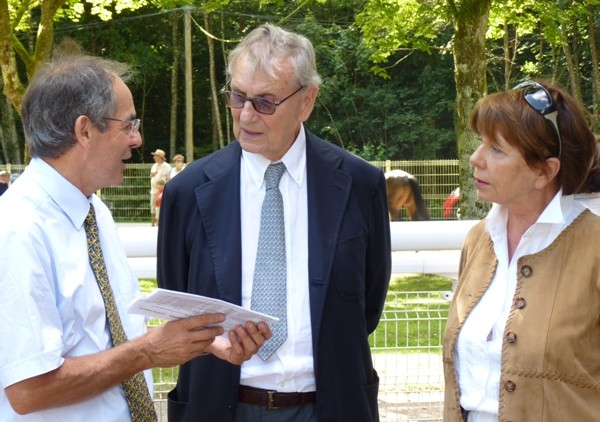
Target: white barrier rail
(427, 247)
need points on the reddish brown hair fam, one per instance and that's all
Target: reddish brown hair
(509, 115)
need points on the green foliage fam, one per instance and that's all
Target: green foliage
(388, 88)
(104, 9)
(412, 24)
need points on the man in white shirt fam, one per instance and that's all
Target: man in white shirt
(57, 358)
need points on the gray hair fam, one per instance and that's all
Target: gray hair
(269, 46)
(61, 91)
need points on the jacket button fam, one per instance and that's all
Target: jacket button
(520, 303)
(511, 337)
(510, 386)
(526, 270)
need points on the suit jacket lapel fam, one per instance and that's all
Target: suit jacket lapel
(328, 190)
(218, 201)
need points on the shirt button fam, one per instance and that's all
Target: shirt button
(511, 337)
(526, 271)
(520, 303)
(510, 386)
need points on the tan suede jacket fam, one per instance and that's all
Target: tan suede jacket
(550, 368)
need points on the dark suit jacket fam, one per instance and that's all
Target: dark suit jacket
(199, 251)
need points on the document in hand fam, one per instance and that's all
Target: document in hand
(170, 305)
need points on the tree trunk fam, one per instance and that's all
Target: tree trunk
(595, 70)
(10, 46)
(572, 59)
(8, 132)
(470, 25)
(189, 92)
(218, 142)
(174, 75)
(13, 88)
(228, 129)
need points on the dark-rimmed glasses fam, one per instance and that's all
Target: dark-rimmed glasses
(541, 101)
(134, 124)
(262, 105)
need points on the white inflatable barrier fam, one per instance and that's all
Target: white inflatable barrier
(429, 235)
(139, 242)
(426, 247)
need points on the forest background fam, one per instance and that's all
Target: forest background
(400, 77)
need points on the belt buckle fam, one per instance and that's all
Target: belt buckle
(270, 404)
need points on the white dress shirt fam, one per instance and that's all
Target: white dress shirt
(479, 345)
(51, 304)
(290, 368)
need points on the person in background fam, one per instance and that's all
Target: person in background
(178, 165)
(160, 186)
(522, 337)
(328, 259)
(4, 181)
(160, 170)
(70, 351)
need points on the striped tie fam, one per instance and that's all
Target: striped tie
(136, 390)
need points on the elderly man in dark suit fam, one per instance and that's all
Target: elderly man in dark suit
(329, 260)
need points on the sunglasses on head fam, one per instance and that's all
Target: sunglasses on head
(541, 101)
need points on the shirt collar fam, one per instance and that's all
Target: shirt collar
(62, 192)
(294, 160)
(554, 213)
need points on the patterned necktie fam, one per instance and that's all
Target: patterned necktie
(136, 390)
(269, 291)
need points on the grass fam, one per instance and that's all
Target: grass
(147, 285)
(164, 378)
(419, 283)
(405, 283)
(415, 315)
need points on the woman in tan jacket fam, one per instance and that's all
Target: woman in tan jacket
(522, 341)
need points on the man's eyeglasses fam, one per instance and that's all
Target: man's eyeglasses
(541, 101)
(236, 99)
(133, 125)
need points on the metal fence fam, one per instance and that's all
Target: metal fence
(130, 201)
(437, 179)
(406, 350)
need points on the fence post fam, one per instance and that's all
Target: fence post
(388, 165)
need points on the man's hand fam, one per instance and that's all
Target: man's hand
(177, 342)
(80, 378)
(243, 343)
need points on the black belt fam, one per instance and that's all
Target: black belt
(274, 400)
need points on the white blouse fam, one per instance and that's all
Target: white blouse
(479, 345)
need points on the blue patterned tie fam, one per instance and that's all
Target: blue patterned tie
(136, 390)
(269, 291)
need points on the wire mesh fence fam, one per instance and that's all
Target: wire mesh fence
(407, 347)
(130, 201)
